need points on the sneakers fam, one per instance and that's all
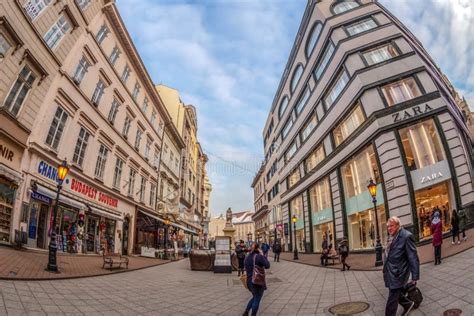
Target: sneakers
(465, 238)
(348, 268)
(453, 243)
(459, 242)
(407, 309)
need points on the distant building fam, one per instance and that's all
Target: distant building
(243, 225)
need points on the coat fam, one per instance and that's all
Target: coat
(276, 248)
(402, 259)
(261, 261)
(462, 218)
(437, 232)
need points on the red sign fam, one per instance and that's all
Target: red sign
(279, 227)
(93, 193)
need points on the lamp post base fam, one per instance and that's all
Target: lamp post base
(295, 255)
(52, 264)
(378, 255)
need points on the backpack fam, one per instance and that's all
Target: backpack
(414, 294)
(344, 249)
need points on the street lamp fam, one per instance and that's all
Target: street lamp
(378, 246)
(295, 251)
(63, 169)
(167, 223)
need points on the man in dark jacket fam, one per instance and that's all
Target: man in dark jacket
(240, 251)
(401, 259)
(276, 251)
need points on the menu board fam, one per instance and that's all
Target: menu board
(223, 244)
(222, 261)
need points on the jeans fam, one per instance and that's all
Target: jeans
(437, 253)
(276, 256)
(395, 297)
(257, 294)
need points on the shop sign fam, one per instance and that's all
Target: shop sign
(75, 185)
(148, 252)
(430, 175)
(279, 227)
(41, 197)
(9, 155)
(411, 112)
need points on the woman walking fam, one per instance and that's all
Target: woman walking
(455, 227)
(255, 258)
(462, 217)
(344, 252)
(240, 251)
(437, 233)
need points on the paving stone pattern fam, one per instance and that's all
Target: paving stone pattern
(295, 289)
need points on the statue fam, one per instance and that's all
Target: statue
(228, 217)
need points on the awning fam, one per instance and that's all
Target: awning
(106, 214)
(152, 216)
(11, 174)
(184, 228)
(62, 198)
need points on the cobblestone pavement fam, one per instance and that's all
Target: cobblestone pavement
(294, 289)
(15, 264)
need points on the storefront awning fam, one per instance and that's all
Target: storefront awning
(11, 174)
(97, 211)
(184, 228)
(63, 199)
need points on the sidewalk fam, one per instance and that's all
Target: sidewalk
(365, 261)
(30, 265)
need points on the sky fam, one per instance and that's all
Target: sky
(226, 57)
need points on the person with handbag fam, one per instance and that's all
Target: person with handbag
(255, 265)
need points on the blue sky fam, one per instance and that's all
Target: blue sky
(226, 57)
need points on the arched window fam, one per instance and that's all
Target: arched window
(283, 105)
(313, 38)
(344, 6)
(296, 77)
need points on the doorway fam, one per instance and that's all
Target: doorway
(42, 227)
(126, 223)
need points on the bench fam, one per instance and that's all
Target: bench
(334, 256)
(114, 261)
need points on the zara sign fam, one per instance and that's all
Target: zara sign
(430, 175)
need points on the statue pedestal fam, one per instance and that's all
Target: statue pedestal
(229, 231)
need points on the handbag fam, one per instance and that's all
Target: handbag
(258, 276)
(414, 294)
(243, 279)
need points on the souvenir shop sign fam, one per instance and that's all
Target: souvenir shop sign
(75, 185)
(10, 154)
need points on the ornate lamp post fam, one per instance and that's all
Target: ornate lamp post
(63, 169)
(378, 246)
(295, 248)
(167, 224)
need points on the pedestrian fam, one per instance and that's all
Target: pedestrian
(325, 251)
(455, 227)
(437, 240)
(344, 252)
(276, 251)
(240, 251)
(176, 250)
(265, 249)
(401, 260)
(255, 257)
(462, 217)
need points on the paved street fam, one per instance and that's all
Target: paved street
(173, 289)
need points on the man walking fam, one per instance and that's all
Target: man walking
(276, 251)
(401, 259)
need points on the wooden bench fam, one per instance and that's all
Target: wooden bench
(334, 256)
(114, 261)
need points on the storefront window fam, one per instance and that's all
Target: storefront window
(315, 158)
(348, 125)
(356, 174)
(321, 212)
(428, 200)
(422, 145)
(110, 235)
(296, 206)
(7, 194)
(294, 177)
(92, 234)
(67, 236)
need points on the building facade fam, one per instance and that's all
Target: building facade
(74, 88)
(359, 100)
(244, 226)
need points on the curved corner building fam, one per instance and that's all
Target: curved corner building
(361, 99)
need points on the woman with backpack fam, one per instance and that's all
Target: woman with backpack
(255, 265)
(344, 252)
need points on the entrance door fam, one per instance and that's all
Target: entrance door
(42, 227)
(125, 237)
(91, 233)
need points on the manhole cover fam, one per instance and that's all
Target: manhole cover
(452, 312)
(348, 308)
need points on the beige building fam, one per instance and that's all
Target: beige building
(244, 226)
(74, 88)
(360, 100)
(216, 226)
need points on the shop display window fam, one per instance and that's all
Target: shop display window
(430, 199)
(67, 237)
(109, 235)
(361, 228)
(300, 240)
(7, 197)
(422, 145)
(92, 234)
(321, 230)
